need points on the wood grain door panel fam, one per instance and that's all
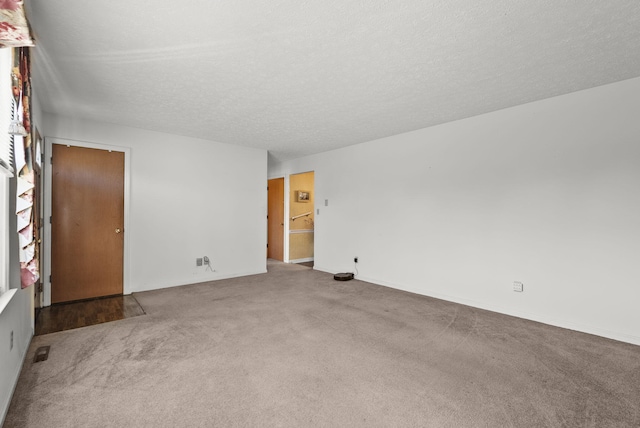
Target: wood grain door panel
(87, 226)
(275, 221)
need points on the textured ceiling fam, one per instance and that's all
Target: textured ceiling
(298, 77)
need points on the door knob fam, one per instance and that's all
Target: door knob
(118, 230)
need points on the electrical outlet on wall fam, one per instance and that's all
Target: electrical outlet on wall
(199, 261)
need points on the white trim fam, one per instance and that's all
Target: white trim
(179, 282)
(287, 208)
(6, 297)
(16, 377)
(544, 319)
(126, 273)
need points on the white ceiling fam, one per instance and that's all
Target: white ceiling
(298, 77)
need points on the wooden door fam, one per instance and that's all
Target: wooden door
(87, 225)
(275, 219)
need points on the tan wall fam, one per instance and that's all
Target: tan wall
(301, 244)
(301, 182)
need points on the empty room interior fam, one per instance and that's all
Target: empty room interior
(377, 213)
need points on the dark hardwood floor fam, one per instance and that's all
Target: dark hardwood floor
(67, 316)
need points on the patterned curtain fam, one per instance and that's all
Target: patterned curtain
(29, 268)
(14, 28)
(14, 32)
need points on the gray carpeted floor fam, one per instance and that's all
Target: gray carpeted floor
(293, 348)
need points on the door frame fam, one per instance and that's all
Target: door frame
(48, 177)
(287, 210)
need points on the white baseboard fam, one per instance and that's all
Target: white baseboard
(5, 408)
(196, 279)
(556, 322)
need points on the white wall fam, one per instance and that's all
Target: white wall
(18, 315)
(16, 318)
(189, 198)
(545, 193)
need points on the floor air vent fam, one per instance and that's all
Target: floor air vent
(42, 353)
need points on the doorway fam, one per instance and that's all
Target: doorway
(87, 223)
(301, 217)
(275, 219)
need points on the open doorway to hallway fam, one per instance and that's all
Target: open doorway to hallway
(291, 225)
(301, 218)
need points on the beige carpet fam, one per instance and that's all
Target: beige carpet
(293, 348)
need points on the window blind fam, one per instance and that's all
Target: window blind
(6, 110)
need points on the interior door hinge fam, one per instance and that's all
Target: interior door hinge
(51, 160)
(49, 279)
(50, 219)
